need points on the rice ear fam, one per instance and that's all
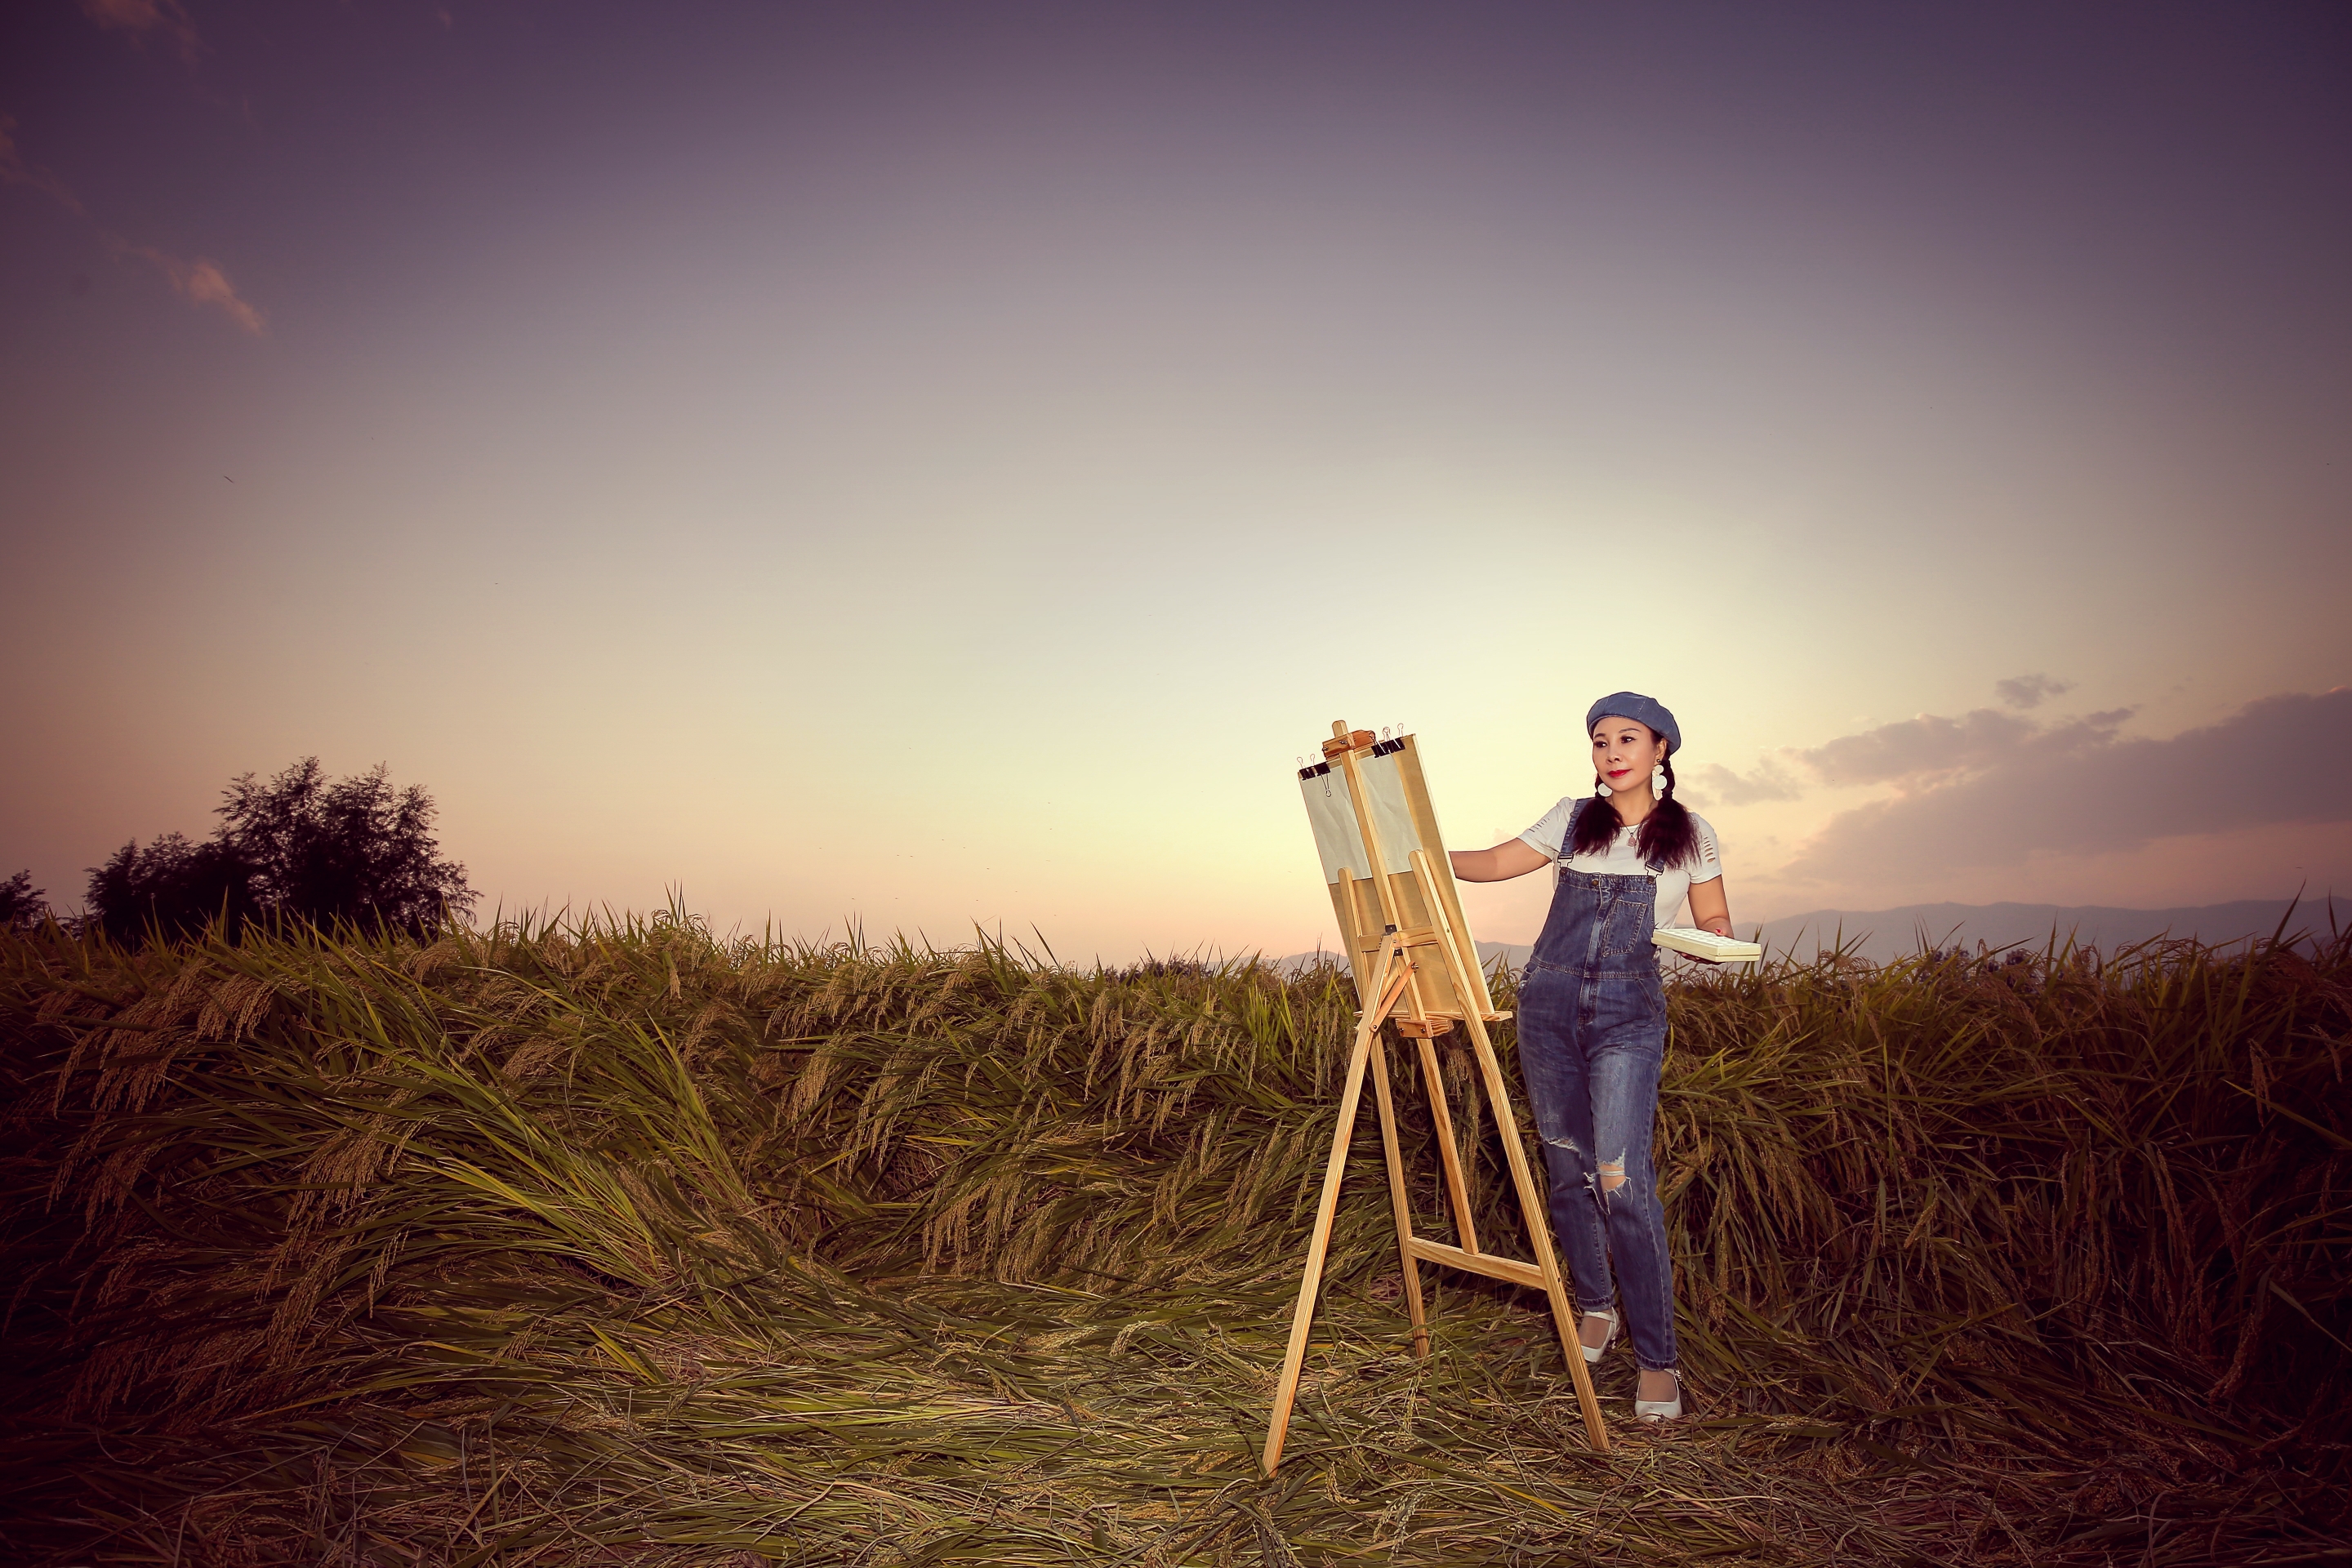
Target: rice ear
(653, 1240)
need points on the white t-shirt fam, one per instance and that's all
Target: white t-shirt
(1622, 859)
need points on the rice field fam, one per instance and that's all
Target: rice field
(626, 1245)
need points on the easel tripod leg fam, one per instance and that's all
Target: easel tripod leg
(1302, 1317)
(1400, 1199)
(1534, 1205)
(1457, 1191)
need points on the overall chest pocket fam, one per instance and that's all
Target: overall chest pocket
(1625, 919)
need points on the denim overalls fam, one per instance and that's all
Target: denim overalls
(1592, 1036)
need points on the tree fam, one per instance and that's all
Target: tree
(22, 905)
(300, 847)
(353, 850)
(172, 886)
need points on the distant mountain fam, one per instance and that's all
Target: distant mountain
(1881, 935)
(1514, 952)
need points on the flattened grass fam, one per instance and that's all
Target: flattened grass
(627, 1245)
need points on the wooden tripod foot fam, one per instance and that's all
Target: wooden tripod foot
(1302, 1317)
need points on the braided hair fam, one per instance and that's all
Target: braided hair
(1668, 838)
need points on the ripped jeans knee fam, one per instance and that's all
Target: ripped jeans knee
(1612, 1177)
(1599, 1183)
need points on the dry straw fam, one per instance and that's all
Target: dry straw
(624, 1245)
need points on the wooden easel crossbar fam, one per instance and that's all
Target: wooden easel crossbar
(1416, 967)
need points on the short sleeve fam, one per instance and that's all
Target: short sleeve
(1550, 832)
(1707, 859)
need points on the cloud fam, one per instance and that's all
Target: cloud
(1770, 781)
(1929, 746)
(141, 18)
(1910, 752)
(201, 281)
(15, 171)
(2080, 788)
(2030, 690)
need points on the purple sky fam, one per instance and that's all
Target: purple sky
(928, 465)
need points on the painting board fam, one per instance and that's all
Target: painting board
(1404, 820)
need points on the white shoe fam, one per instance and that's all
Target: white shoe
(1592, 1352)
(1662, 1409)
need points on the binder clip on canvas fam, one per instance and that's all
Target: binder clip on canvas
(1416, 967)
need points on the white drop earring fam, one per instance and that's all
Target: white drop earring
(1658, 781)
(1602, 789)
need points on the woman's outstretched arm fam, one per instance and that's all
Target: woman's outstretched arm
(1512, 858)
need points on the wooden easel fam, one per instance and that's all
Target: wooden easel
(1422, 974)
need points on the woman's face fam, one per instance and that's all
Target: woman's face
(1624, 751)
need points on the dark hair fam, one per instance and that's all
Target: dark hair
(1667, 837)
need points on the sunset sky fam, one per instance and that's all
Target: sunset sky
(923, 466)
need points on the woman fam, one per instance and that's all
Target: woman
(1592, 1019)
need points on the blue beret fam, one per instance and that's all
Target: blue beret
(1643, 710)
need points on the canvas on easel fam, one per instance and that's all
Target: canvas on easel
(1389, 774)
(1416, 967)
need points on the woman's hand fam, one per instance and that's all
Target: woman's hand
(1512, 858)
(1710, 907)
